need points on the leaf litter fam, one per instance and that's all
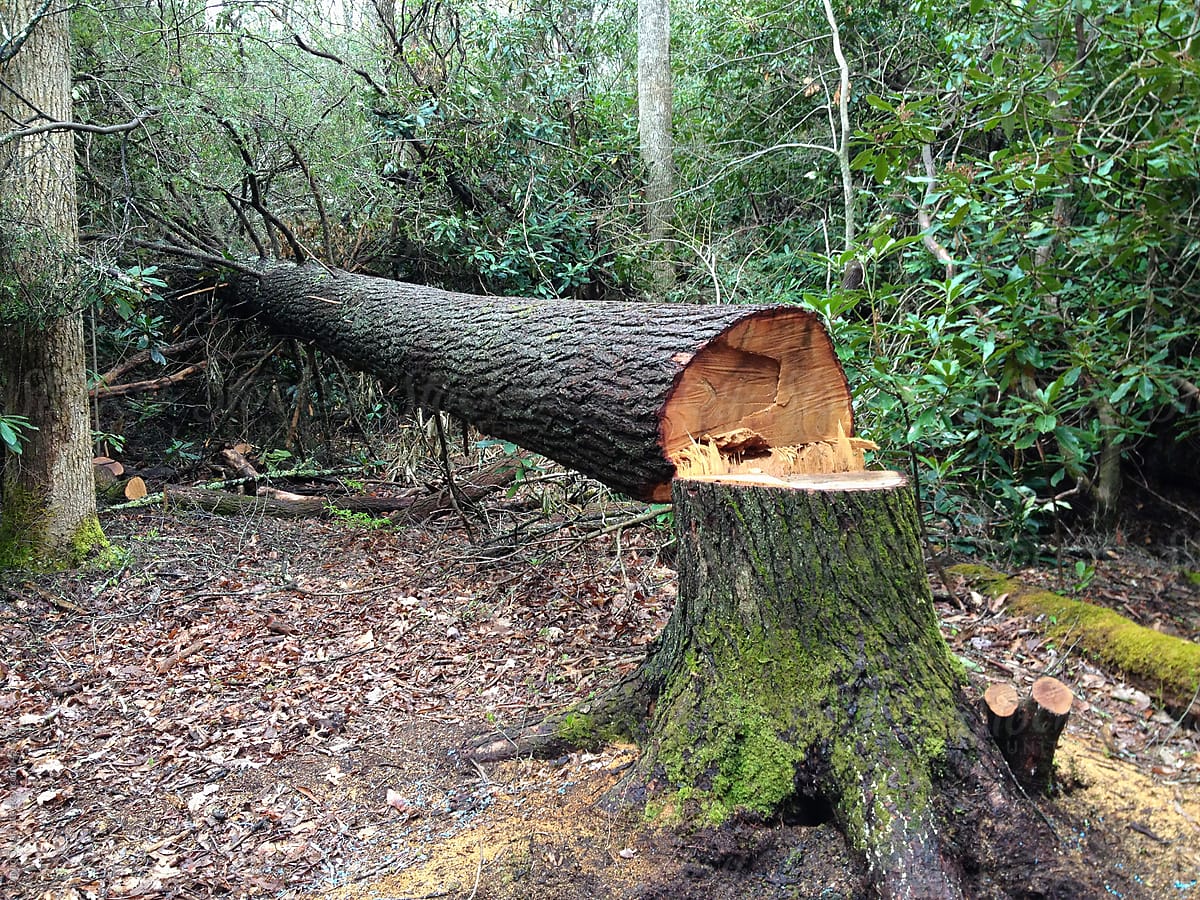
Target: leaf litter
(256, 707)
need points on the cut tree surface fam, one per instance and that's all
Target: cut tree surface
(802, 668)
(619, 391)
(1027, 731)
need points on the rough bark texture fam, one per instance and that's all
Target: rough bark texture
(803, 661)
(47, 495)
(804, 658)
(591, 385)
(655, 98)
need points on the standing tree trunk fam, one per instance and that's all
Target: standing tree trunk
(654, 125)
(47, 495)
(803, 662)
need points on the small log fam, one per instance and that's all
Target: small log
(1027, 732)
(135, 488)
(106, 470)
(1002, 703)
(239, 465)
(102, 391)
(284, 504)
(143, 357)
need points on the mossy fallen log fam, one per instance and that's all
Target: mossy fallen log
(1164, 666)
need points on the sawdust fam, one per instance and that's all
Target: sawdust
(544, 838)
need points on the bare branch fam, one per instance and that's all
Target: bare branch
(79, 127)
(361, 73)
(198, 255)
(925, 217)
(300, 252)
(843, 144)
(327, 239)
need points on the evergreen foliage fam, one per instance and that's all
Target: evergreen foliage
(1025, 186)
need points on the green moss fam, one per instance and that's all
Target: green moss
(577, 729)
(23, 538)
(770, 704)
(19, 527)
(1193, 577)
(585, 731)
(1161, 663)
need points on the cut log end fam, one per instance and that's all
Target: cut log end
(1027, 731)
(1002, 700)
(766, 397)
(1053, 696)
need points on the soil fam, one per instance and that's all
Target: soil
(253, 707)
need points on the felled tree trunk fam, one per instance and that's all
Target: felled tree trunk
(615, 390)
(803, 662)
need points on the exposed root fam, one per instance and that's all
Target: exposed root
(618, 714)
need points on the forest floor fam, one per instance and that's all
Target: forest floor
(264, 707)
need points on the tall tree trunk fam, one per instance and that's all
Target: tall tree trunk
(48, 511)
(654, 125)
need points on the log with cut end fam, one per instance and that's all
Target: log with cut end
(620, 391)
(1027, 732)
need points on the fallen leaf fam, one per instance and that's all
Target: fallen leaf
(396, 800)
(50, 766)
(53, 795)
(199, 799)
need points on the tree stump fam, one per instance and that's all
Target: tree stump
(803, 661)
(1027, 732)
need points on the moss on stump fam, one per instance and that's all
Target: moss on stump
(803, 662)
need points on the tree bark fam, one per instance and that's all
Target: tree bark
(1027, 732)
(655, 100)
(803, 662)
(47, 495)
(619, 391)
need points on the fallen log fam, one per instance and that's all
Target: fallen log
(803, 661)
(617, 391)
(407, 508)
(1164, 666)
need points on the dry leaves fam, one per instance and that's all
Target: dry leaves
(261, 707)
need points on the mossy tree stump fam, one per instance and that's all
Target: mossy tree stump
(803, 661)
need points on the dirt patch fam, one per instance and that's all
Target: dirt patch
(542, 835)
(265, 708)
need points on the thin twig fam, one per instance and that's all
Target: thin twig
(452, 491)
